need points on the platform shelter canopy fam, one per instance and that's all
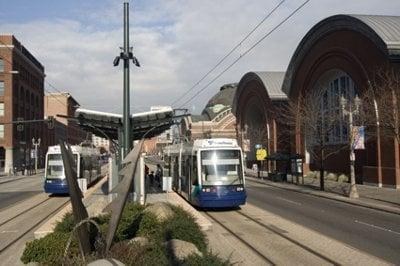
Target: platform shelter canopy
(105, 124)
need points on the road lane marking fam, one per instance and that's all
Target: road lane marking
(9, 231)
(291, 201)
(377, 227)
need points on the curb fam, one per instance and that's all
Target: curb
(177, 200)
(330, 196)
(203, 222)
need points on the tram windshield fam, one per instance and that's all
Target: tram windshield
(55, 166)
(221, 167)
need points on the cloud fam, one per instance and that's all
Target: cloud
(175, 41)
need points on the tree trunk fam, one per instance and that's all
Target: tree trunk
(321, 171)
(397, 163)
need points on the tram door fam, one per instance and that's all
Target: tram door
(175, 174)
(194, 180)
(185, 183)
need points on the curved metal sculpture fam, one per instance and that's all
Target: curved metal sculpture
(78, 209)
(116, 207)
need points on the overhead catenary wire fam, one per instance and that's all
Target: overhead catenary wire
(229, 53)
(245, 53)
(48, 83)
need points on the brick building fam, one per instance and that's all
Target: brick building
(67, 130)
(21, 97)
(339, 56)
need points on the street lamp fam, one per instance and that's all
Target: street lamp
(352, 108)
(36, 144)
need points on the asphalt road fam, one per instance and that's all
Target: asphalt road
(374, 232)
(16, 189)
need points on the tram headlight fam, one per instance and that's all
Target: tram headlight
(206, 190)
(239, 188)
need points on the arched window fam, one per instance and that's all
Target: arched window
(335, 85)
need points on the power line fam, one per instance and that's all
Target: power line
(245, 53)
(230, 52)
(49, 93)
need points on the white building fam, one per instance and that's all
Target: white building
(101, 142)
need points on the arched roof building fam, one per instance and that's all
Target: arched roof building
(255, 105)
(340, 55)
(354, 43)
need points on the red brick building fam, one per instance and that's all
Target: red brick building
(257, 100)
(21, 97)
(339, 55)
(63, 104)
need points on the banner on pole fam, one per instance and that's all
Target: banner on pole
(358, 138)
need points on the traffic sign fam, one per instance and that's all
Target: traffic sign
(261, 154)
(20, 127)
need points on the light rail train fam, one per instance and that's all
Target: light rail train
(208, 172)
(87, 161)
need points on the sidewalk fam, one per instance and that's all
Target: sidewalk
(382, 199)
(4, 178)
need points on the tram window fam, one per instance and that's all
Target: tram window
(221, 167)
(55, 166)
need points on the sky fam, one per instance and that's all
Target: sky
(176, 42)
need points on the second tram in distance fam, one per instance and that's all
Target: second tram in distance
(87, 161)
(208, 172)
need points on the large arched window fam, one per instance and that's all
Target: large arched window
(336, 84)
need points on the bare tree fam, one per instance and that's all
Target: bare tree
(383, 97)
(311, 117)
(258, 134)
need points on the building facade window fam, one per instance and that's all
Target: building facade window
(1, 88)
(1, 109)
(1, 65)
(1, 131)
(337, 84)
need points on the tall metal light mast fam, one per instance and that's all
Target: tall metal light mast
(126, 55)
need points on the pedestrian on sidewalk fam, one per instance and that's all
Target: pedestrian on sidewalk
(159, 175)
(151, 178)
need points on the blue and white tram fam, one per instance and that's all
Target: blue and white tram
(87, 161)
(208, 172)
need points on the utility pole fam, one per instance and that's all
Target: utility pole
(36, 144)
(126, 55)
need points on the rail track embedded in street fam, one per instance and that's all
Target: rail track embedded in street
(297, 243)
(251, 247)
(32, 226)
(23, 212)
